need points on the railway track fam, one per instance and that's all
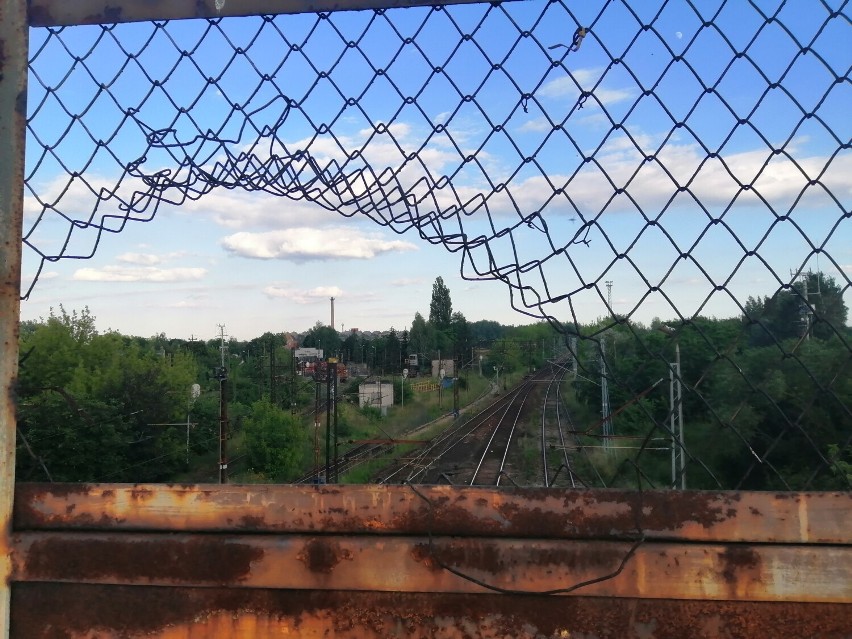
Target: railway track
(366, 452)
(484, 449)
(346, 461)
(487, 448)
(422, 468)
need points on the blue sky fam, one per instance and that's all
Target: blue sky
(497, 133)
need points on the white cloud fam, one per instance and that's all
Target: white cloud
(714, 182)
(567, 87)
(143, 259)
(138, 274)
(304, 296)
(441, 117)
(305, 244)
(535, 125)
(399, 130)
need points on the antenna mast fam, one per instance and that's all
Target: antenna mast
(609, 296)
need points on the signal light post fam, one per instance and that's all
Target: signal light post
(330, 400)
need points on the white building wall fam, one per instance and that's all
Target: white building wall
(376, 394)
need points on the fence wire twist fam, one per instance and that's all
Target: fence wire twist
(553, 146)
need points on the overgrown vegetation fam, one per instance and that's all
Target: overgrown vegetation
(765, 406)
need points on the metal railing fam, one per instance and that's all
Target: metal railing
(686, 154)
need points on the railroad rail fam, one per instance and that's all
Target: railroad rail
(482, 448)
(556, 423)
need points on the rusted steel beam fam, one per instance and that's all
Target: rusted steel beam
(13, 113)
(654, 570)
(75, 611)
(48, 13)
(515, 512)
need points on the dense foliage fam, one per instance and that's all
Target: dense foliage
(766, 405)
(95, 407)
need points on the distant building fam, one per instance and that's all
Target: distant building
(447, 365)
(377, 394)
(309, 353)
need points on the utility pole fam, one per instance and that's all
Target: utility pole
(222, 376)
(333, 367)
(331, 374)
(317, 390)
(327, 428)
(605, 409)
(576, 356)
(293, 383)
(455, 390)
(676, 416)
(272, 395)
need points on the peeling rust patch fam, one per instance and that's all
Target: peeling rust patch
(488, 558)
(168, 560)
(484, 558)
(593, 514)
(251, 522)
(665, 511)
(322, 555)
(736, 560)
(48, 611)
(141, 494)
(447, 518)
(29, 512)
(546, 523)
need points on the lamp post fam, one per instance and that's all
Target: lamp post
(402, 390)
(676, 417)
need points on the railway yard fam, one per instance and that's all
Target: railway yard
(520, 436)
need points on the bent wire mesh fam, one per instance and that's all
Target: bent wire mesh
(697, 154)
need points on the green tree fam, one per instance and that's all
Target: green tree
(97, 407)
(441, 306)
(813, 305)
(462, 341)
(351, 350)
(486, 330)
(421, 337)
(324, 337)
(275, 442)
(506, 355)
(392, 352)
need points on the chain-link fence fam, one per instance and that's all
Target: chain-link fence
(697, 154)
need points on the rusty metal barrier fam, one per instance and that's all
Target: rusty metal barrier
(382, 561)
(404, 561)
(13, 83)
